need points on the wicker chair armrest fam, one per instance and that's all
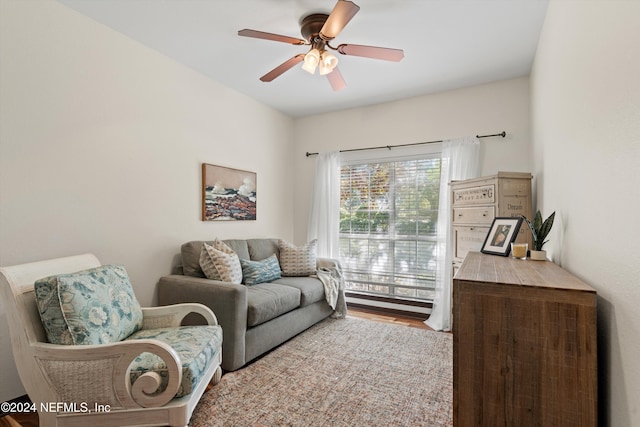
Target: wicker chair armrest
(60, 362)
(172, 315)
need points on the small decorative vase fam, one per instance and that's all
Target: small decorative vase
(538, 255)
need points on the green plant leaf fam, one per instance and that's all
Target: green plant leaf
(537, 221)
(546, 226)
(533, 231)
(539, 229)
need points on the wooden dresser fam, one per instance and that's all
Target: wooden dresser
(524, 345)
(476, 202)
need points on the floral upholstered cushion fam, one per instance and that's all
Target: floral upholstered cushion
(266, 270)
(196, 346)
(298, 260)
(95, 306)
(226, 263)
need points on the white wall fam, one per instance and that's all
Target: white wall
(485, 109)
(101, 145)
(101, 141)
(586, 145)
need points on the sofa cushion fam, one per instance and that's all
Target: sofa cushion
(311, 288)
(298, 260)
(262, 248)
(95, 306)
(254, 272)
(196, 346)
(190, 254)
(226, 263)
(267, 301)
(239, 246)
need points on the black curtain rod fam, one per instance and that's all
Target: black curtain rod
(389, 147)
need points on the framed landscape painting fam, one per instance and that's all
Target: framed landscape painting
(228, 194)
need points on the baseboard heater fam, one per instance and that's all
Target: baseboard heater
(418, 309)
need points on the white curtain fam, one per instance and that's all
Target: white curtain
(460, 160)
(324, 218)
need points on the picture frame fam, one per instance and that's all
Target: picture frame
(228, 194)
(503, 231)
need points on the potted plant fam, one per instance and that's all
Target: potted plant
(539, 230)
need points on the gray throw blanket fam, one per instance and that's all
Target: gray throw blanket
(333, 281)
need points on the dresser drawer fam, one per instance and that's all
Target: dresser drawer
(478, 195)
(468, 239)
(479, 215)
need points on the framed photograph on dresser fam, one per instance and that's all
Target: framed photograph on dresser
(503, 231)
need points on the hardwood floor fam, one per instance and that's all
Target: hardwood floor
(387, 318)
(20, 420)
(31, 419)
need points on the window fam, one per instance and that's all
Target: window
(388, 222)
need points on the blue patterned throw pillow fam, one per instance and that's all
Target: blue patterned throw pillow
(95, 306)
(255, 272)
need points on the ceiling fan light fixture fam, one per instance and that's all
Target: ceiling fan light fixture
(317, 30)
(328, 63)
(311, 61)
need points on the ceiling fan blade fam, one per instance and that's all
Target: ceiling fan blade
(280, 69)
(336, 80)
(270, 36)
(384, 53)
(375, 52)
(339, 17)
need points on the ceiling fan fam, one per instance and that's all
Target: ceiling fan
(318, 29)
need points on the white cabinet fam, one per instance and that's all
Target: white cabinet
(476, 202)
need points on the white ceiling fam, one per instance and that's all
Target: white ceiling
(448, 44)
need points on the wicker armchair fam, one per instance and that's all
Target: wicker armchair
(81, 385)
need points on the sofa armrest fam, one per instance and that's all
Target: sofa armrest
(228, 302)
(328, 263)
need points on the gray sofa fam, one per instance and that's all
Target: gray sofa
(254, 319)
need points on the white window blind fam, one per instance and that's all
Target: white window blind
(388, 222)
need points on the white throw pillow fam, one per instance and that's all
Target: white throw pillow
(206, 264)
(298, 260)
(220, 262)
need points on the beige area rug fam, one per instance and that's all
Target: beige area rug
(350, 372)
